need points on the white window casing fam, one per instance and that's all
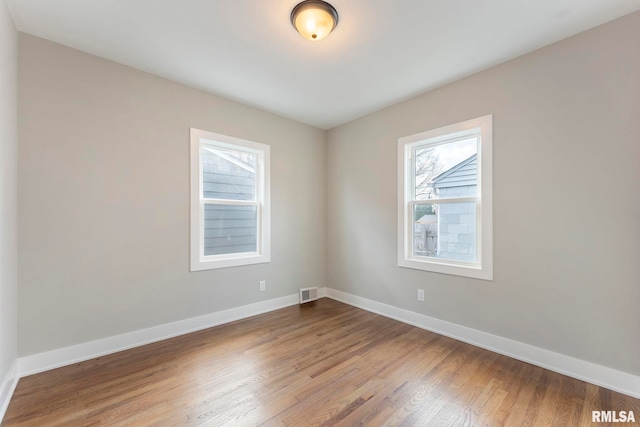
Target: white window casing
(229, 202)
(479, 261)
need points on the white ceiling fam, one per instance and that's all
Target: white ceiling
(382, 52)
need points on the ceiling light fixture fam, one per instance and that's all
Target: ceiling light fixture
(314, 19)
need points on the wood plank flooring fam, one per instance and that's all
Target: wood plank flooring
(323, 363)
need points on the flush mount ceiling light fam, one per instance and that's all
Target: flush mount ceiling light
(314, 19)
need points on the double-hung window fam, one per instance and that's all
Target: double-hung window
(229, 201)
(445, 200)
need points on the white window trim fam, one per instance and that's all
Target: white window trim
(484, 214)
(199, 140)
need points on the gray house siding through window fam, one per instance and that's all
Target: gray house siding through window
(461, 179)
(451, 234)
(228, 229)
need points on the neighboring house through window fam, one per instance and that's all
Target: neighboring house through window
(445, 200)
(229, 201)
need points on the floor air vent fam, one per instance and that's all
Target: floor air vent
(308, 294)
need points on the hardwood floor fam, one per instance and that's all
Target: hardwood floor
(323, 363)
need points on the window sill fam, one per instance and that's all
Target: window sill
(444, 267)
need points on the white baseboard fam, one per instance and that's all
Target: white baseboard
(322, 292)
(7, 388)
(33, 364)
(596, 374)
(612, 379)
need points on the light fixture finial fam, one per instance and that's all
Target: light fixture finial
(314, 19)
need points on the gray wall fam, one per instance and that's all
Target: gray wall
(566, 199)
(8, 186)
(104, 200)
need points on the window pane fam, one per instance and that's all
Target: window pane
(228, 174)
(446, 170)
(445, 230)
(230, 229)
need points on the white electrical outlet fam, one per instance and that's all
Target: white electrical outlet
(263, 285)
(420, 294)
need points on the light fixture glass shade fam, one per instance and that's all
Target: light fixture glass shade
(314, 19)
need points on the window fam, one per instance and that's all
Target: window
(229, 201)
(445, 200)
